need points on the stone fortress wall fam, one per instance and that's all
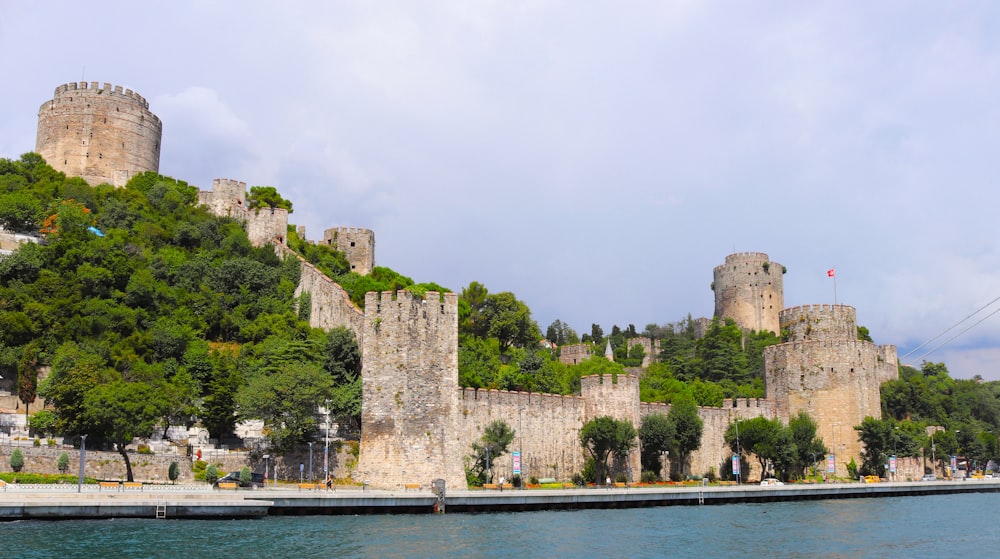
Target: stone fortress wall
(749, 289)
(103, 134)
(417, 425)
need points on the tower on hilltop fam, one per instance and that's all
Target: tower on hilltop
(102, 134)
(749, 289)
(357, 244)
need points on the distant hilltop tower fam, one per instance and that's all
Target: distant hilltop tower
(749, 289)
(102, 134)
(357, 244)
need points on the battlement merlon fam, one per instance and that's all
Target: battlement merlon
(346, 230)
(95, 88)
(747, 256)
(379, 302)
(818, 308)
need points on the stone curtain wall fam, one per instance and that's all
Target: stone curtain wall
(410, 390)
(749, 289)
(714, 453)
(546, 430)
(103, 134)
(357, 244)
(330, 305)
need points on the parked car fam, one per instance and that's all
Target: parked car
(871, 479)
(256, 480)
(771, 481)
(929, 477)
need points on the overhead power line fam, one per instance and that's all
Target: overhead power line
(956, 325)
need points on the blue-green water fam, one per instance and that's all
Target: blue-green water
(914, 527)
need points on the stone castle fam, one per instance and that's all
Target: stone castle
(417, 423)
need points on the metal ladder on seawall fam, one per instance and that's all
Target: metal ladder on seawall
(161, 508)
(701, 496)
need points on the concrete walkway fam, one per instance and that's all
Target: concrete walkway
(19, 502)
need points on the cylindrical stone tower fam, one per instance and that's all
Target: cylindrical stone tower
(102, 134)
(749, 289)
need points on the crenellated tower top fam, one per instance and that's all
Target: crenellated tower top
(102, 133)
(749, 289)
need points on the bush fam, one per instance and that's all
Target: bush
(16, 460)
(648, 476)
(144, 449)
(852, 469)
(211, 474)
(533, 480)
(246, 478)
(621, 478)
(710, 474)
(578, 480)
(173, 472)
(516, 480)
(43, 422)
(63, 462)
(589, 472)
(36, 442)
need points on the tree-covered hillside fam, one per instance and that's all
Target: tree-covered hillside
(150, 311)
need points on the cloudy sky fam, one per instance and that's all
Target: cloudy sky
(598, 159)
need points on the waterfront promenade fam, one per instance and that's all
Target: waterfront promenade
(20, 502)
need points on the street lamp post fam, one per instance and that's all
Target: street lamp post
(83, 453)
(267, 459)
(310, 443)
(326, 440)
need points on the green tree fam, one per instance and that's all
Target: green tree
(720, 353)
(19, 212)
(656, 436)
(286, 400)
(246, 477)
(173, 472)
(494, 443)
(876, 436)
(43, 422)
(121, 411)
(62, 463)
(604, 437)
(16, 460)
(767, 439)
(808, 447)
(509, 321)
(74, 372)
(267, 197)
(688, 428)
(211, 474)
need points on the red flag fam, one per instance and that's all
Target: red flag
(830, 273)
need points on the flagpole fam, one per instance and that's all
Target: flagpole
(832, 273)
